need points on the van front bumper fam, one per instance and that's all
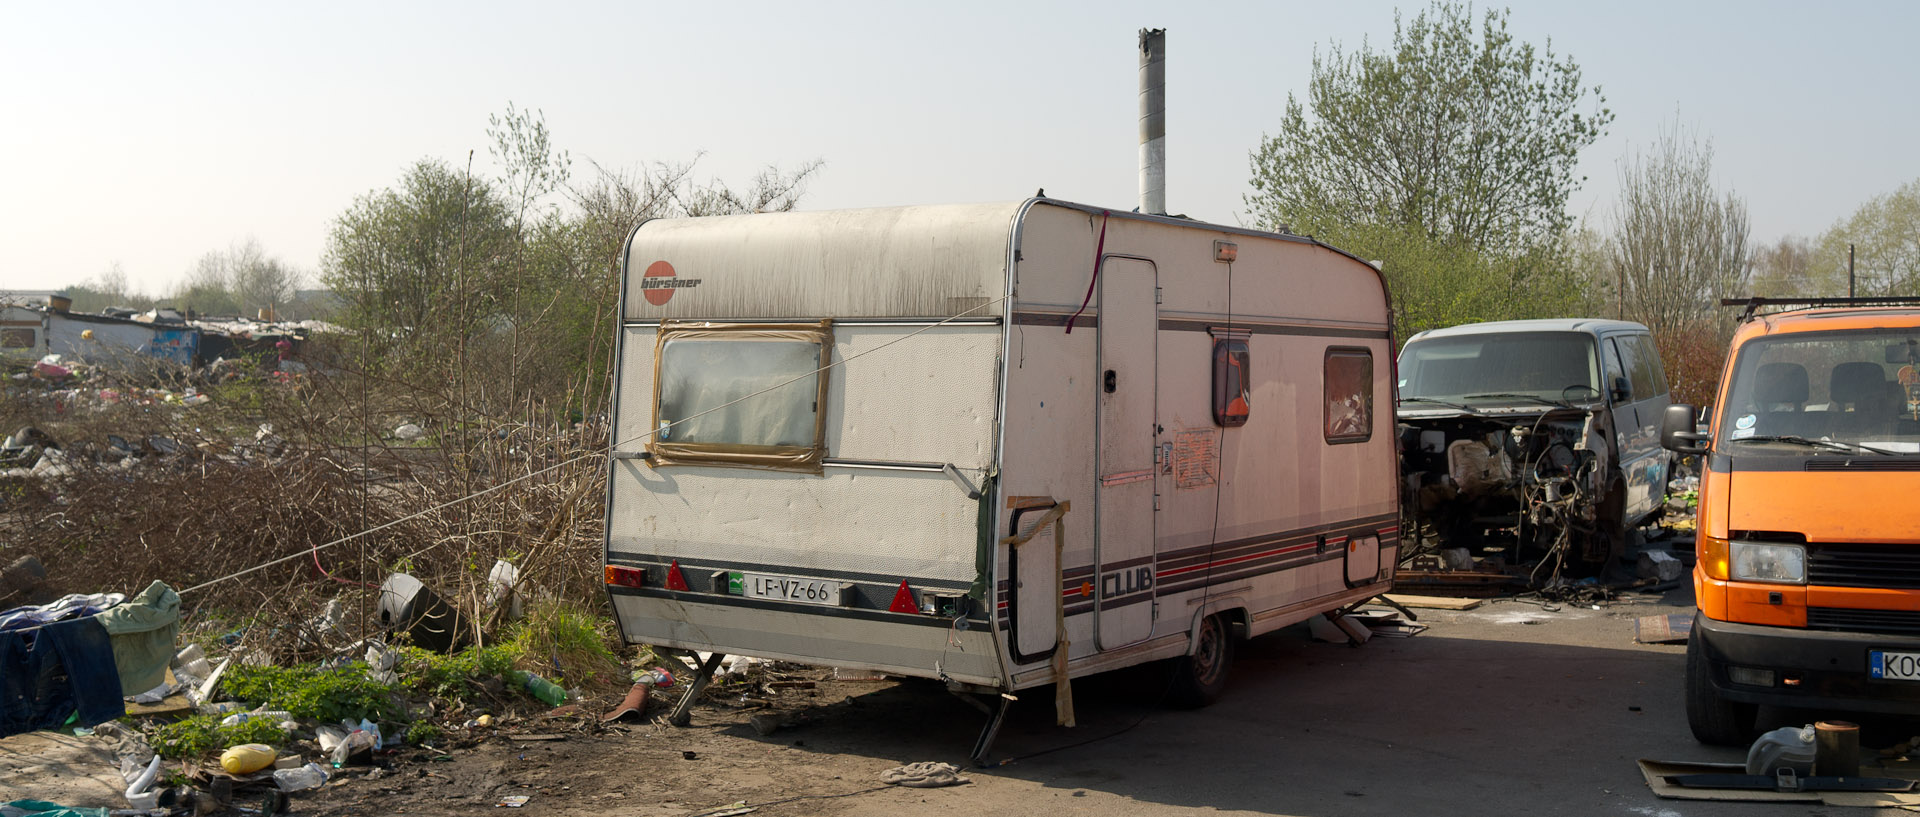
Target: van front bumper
(1830, 667)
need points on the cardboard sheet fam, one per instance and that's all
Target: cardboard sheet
(1657, 771)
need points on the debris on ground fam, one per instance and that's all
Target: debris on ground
(924, 775)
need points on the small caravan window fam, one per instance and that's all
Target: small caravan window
(1349, 390)
(16, 338)
(1232, 383)
(746, 395)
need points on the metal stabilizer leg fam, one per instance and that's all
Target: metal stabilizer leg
(995, 716)
(683, 713)
(1397, 606)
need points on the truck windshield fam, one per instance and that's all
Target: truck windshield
(1513, 365)
(1855, 387)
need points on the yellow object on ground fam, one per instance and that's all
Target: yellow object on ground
(247, 758)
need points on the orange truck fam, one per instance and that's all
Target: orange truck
(1808, 569)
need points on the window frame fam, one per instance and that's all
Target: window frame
(803, 458)
(1326, 394)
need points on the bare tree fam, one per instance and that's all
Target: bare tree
(1786, 269)
(1678, 244)
(239, 281)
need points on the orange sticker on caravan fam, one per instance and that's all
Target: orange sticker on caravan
(659, 282)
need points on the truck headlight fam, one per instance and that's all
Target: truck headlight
(1755, 562)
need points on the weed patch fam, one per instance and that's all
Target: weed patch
(202, 735)
(312, 693)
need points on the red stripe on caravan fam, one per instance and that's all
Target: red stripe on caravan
(1232, 561)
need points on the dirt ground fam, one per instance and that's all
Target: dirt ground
(1508, 709)
(1511, 708)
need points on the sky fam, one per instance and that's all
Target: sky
(146, 135)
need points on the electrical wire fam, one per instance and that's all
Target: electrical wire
(1157, 702)
(611, 446)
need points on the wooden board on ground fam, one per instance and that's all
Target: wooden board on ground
(1668, 629)
(1434, 602)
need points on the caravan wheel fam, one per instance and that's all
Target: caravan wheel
(1199, 678)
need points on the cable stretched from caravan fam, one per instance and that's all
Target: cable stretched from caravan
(611, 446)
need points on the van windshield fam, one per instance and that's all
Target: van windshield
(1855, 387)
(1548, 366)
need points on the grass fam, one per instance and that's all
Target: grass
(311, 693)
(562, 639)
(201, 735)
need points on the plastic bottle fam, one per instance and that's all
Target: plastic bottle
(543, 689)
(312, 775)
(271, 716)
(247, 758)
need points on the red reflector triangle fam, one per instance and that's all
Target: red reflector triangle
(676, 581)
(903, 600)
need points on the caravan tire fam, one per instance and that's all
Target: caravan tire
(1200, 676)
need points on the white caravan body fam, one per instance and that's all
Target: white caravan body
(785, 507)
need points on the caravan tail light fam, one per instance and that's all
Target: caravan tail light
(621, 576)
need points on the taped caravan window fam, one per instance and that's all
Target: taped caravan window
(746, 395)
(1349, 390)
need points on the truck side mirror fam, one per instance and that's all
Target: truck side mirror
(1619, 390)
(1677, 432)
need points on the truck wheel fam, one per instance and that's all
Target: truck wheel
(1199, 678)
(1714, 720)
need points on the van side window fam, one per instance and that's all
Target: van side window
(1651, 354)
(1348, 378)
(1232, 382)
(1643, 366)
(1610, 366)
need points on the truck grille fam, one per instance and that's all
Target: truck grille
(1895, 567)
(1886, 622)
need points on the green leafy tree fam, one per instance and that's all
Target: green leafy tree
(423, 263)
(1885, 234)
(1449, 157)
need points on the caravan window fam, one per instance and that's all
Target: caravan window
(1232, 382)
(16, 338)
(747, 395)
(1349, 392)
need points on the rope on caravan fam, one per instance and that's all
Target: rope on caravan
(601, 453)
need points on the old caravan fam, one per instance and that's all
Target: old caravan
(1001, 445)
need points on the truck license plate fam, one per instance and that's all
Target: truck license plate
(1896, 666)
(788, 588)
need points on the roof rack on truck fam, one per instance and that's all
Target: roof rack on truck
(1753, 304)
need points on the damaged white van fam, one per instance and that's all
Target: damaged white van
(1533, 441)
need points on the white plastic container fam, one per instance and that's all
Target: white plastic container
(1786, 747)
(309, 776)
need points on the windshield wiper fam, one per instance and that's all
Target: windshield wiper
(1504, 395)
(1437, 402)
(1830, 445)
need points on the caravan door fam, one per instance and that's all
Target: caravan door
(1129, 333)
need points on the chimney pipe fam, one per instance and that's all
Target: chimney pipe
(1153, 121)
